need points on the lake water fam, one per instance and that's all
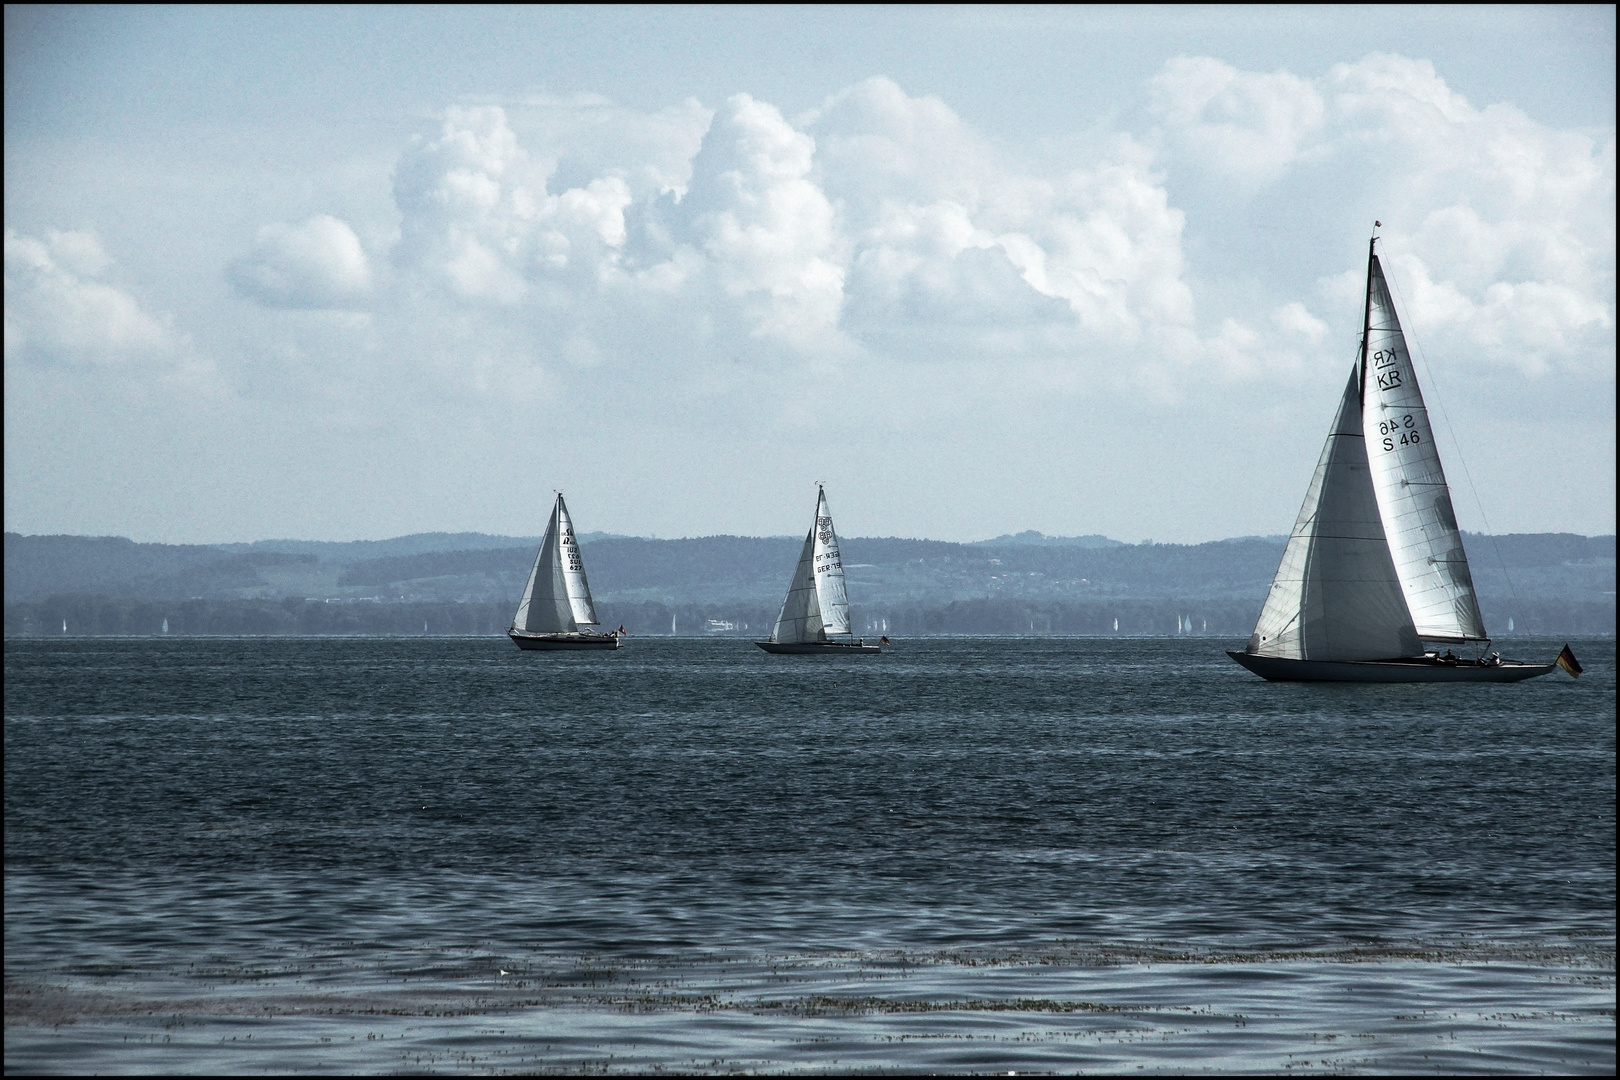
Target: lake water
(964, 855)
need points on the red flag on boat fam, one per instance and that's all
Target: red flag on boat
(1567, 661)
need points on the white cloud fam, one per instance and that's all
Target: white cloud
(935, 214)
(766, 226)
(1248, 125)
(1293, 318)
(57, 312)
(1501, 228)
(318, 264)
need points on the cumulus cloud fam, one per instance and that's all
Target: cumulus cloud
(870, 223)
(766, 227)
(569, 233)
(477, 215)
(1248, 125)
(936, 215)
(1295, 319)
(57, 311)
(1502, 229)
(318, 264)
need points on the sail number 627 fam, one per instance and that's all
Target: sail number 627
(1404, 427)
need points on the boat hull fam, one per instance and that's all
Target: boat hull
(1413, 670)
(562, 642)
(818, 648)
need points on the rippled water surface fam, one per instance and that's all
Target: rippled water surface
(964, 855)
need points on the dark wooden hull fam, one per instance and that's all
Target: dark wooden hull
(818, 648)
(1414, 670)
(562, 642)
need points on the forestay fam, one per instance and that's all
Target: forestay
(1424, 541)
(1336, 595)
(557, 598)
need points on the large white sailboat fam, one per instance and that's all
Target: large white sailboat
(1375, 567)
(556, 604)
(815, 612)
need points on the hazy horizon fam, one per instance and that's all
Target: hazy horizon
(355, 272)
(591, 535)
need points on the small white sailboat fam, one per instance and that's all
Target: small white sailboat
(1375, 565)
(815, 613)
(556, 603)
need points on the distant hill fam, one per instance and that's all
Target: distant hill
(1030, 536)
(1022, 582)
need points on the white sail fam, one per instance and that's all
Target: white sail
(1336, 595)
(800, 619)
(1415, 502)
(546, 607)
(573, 567)
(831, 593)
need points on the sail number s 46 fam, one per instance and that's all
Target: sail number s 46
(1400, 432)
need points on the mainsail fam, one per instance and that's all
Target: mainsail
(831, 594)
(817, 603)
(557, 598)
(1336, 596)
(1413, 497)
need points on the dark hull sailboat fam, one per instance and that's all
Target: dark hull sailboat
(551, 642)
(815, 613)
(1375, 565)
(556, 607)
(818, 648)
(1424, 669)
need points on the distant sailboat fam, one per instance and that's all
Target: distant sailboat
(557, 599)
(1375, 564)
(815, 613)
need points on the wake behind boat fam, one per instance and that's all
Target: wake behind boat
(556, 605)
(1375, 564)
(815, 614)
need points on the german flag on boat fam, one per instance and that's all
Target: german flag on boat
(1567, 661)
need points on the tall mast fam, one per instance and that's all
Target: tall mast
(1366, 321)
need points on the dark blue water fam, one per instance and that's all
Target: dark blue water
(965, 854)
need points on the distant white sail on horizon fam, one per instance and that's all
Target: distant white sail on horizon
(1413, 497)
(556, 598)
(1336, 595)
(817, 601)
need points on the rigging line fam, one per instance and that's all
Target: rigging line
(1428, 373)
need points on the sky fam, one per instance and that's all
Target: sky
(353, 273)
